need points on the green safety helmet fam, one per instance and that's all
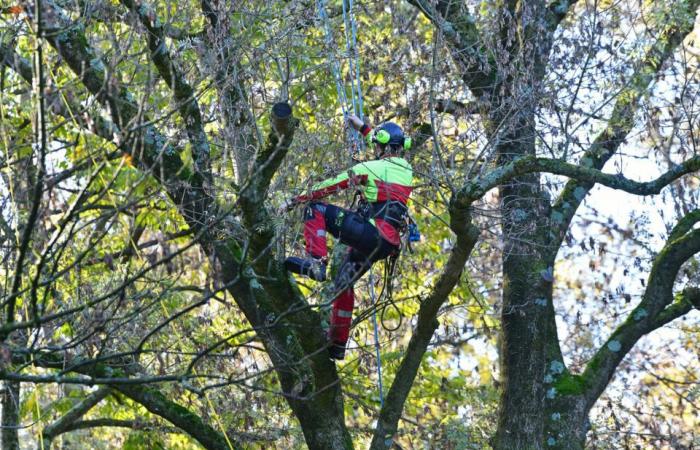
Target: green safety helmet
(390, 134)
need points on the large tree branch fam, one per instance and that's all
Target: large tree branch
(656, 308)
(106, 12)
(457, 108)
(155, 402)
(152, 399)
(557, 11)
(427, 323)
(466, 43)
(183, 93)
(684, 302)
(121, 423)
(301, 343)
(63, 105)
(151, 151)
(531, 164)
(63, 424)
(621, 121)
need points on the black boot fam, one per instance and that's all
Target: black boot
(336, 351)
(310, 267)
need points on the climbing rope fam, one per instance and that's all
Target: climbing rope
(352, 137)
(353, 58)
(354, 103)
(335, 64)
(376, 338)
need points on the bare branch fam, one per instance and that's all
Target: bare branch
(621, 120)
(427, 323)
(64, 424)
(656, 309)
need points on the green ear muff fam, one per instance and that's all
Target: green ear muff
(407, 141)
(382, 137)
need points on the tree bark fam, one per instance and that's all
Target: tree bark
(527, 292)
(75, 413)
(10, 415)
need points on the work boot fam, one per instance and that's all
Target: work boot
(336, 351)
(310, 267)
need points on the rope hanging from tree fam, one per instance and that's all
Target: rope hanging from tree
(354, 102)
(352, 136)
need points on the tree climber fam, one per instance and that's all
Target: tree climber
(373, 232)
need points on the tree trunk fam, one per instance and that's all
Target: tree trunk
(567, 417)
(324, 428)
(527, 293)
(10, 415)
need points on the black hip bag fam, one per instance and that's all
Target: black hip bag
(395, 213)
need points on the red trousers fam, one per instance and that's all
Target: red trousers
(366, 247)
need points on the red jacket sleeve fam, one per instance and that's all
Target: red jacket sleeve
(341, 182)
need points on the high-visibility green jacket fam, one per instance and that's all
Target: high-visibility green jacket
(385, 179)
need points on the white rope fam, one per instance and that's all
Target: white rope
(376, 338)
(353, 103)
(350, 30)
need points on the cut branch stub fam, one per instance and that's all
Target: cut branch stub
(280, 117)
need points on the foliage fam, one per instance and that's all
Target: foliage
(150, 257)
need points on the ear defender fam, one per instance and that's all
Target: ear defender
(370, 138)
(382, 137)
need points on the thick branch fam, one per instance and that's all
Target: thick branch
(621, 121)
(120, 372)
(557, 12)
(684, 225)
(151, 150)
(182, 92)
(655, 309)
(132, 424)
(457, 108)
(427, 323)
(64, 424)
(279, 294)
(684, 302)
(278, 142)
(531, 164)
(10, 421)
(465, 40)
(63, 105)
(105, 12)
(155, 402)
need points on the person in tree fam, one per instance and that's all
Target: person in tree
(372, 233)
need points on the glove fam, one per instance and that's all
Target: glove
(286, 205)
(355, 121)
